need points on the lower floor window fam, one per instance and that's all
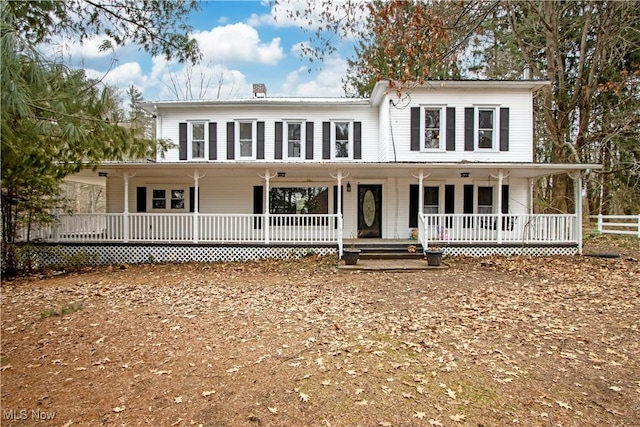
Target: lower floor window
(176, 199)
(485, 200)
(299, 200)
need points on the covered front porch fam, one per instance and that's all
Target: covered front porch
(213, 205)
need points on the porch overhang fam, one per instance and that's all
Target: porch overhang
(311, 170)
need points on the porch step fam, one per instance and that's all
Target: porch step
(389, 251)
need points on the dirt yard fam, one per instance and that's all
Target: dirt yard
(487, 342)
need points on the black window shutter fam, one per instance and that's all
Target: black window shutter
(357, 140)
(413, 205)
(213, 141)
(504, 129)
(467, 204)
(260, 140)
(326, 140)
(309, 141)
(231, 137)
(258, 203)
(278, 141)
(335, 201)
(192, 199)
(449, 203)
(505, 199)
(449, 199)
(468, 129)
(507, 222)
(451, 129)
(182, 138)
(415, 128)
(141, 199)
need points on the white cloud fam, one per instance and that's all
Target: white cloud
(88, 49)
(121, 76)
(238, 43)
(171, 81)
(328, 82)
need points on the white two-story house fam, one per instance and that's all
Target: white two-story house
(450, 163)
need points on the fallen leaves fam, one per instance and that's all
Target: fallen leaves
(302, 344)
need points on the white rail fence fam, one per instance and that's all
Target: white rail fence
(618, 224)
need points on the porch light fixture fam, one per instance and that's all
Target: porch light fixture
(464, 174)
(282, 174)
(348, 187)
(102, 174)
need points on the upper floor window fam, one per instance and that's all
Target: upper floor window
(432, 130)
(197, 140)
(295, 136)
(342, 140)
(246, 140)
(486, 127)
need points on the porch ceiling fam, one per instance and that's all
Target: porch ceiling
(322, 170)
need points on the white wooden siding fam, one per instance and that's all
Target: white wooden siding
(519, 103)
(169, 120)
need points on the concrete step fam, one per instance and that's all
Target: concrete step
(391, 255)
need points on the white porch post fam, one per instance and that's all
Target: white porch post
(196, 208)
(577, 178)
(339, 210)
(499, 222)
(267, 177)
(339, 175)
(125, 219)
(421, 229)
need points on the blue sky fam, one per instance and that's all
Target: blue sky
(242, 43)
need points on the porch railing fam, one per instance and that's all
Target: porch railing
(495, 228)
(434, 229)
(184, 228)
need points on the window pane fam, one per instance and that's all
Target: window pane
(486, 119)
(177, 194)
(304, 200)
(342, 149)
(246, 148)
(431, 195)
(342, 131)
(197, 149)
(197, 131)
(294, 131)
(159, 204)
(159, 194)
(485, 139)
(485, 196)
(246, 130)
(294, 149)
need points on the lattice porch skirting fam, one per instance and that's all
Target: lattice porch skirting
(110, 253)
(105, 254)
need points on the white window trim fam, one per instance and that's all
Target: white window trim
(495, 143)
(190, 139)
(285, 139)
(333, 140)
(443, 128)
(167, 198)
(254, 140)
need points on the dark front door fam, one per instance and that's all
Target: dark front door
(369, 211)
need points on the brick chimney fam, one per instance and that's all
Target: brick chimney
(259, 90)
